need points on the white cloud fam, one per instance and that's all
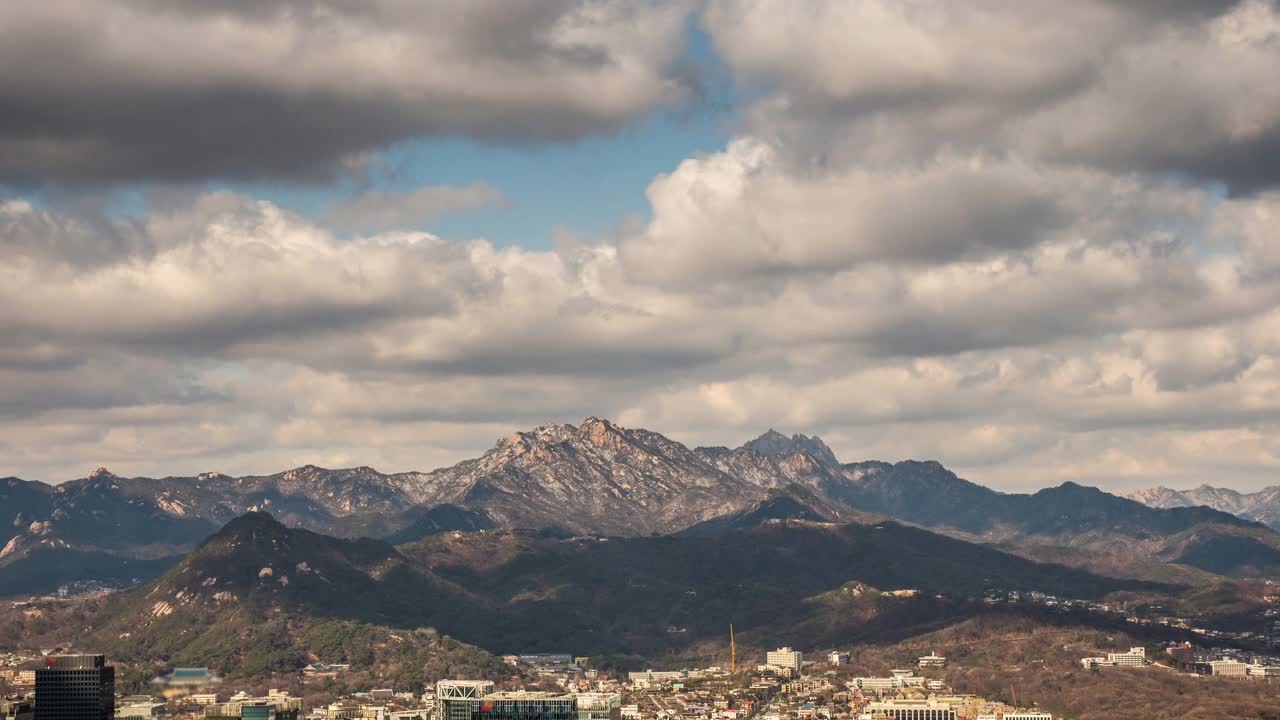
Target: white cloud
(994, 234)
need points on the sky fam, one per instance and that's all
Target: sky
(1034, 240)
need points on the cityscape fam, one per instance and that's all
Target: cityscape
(639, 360)
(788, 685)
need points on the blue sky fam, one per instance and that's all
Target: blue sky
(586, 187)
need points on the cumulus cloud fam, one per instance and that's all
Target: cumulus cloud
(995, 234)
(1146, 87)
(275, 341)
(138, 89)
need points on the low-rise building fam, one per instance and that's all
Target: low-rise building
(784, 658)
(932, 660)
(1228, 668)
(1135, 657)
(909, 709)
(599, 706)
(272, 707)
(652, 678)
(17, 710)
(142, 710)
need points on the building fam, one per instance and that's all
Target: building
(75, 687)
(460, 699)
(838, 658)
(527, 706)
(16, 710)
(599, 706)
(1136, 657)
(651, 678)
(185, 680)
(1228, 668)
(142, 710)
(1257, 670)
(898, 680)
(275, 706)
(933, 659)
(784, 658)
(909, 710)
(203, 698)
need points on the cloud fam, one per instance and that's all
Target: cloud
(995, 234)
(378, 210)
(1159, 87)
(248, 338)
(99, 91)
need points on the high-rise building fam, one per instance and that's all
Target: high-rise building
(460, 699)
(75, 687)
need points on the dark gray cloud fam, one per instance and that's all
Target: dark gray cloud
(1175, 88)
(98, 91)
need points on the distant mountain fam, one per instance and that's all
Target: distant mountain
(594, 478)
(1262, 506)
(775, 444)
(259, 592)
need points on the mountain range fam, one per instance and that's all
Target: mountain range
(597, 478)
(1262, 506)
(257, 589)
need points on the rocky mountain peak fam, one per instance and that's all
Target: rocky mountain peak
(602, 433)
(774, 444)
(102, 474)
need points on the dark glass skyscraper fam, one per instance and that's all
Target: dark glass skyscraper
(75, 687)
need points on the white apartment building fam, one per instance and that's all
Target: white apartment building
(1136, 657)
(1256, 670)
(1017, 715)
(784, 658)
(652, 678)
(900, 679)
(838, 658)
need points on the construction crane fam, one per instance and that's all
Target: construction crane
(733, 652)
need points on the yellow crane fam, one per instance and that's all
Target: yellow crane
(733, 652)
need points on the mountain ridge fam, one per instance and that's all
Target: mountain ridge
(592, 478)
(1261, 506)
